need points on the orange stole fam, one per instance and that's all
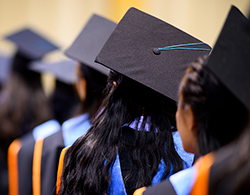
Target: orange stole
(203, 171)
(13, 166)
(60, 170)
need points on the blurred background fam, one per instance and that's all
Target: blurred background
(61, 20)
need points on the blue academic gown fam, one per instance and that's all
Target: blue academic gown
(117, 186)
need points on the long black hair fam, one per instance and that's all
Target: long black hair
(219, 116)
(89, 160)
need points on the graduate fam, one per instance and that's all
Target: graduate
(213, 111)
(24, 154)
(20, 113)
(64, 100)
(134, 140)
(91, 79)
(23, 103)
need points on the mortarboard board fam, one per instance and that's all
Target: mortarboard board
(63, 70)
(4, 68)
(137, 49)
(90, 41)
(30, 44)
(230, 57)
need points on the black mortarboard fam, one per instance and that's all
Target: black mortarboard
(90, 42)
(137, 49)
(30, 44)
(63, 70)
(230, 58)
(4, 68)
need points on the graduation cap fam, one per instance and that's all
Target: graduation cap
(63, 70)
(230, 57)
(4, 68)
(30, 44)
(151, 52)
(90, 42)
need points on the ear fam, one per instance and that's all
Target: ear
(190, 119)
(81, 87)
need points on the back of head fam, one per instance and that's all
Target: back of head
(20, 68)
(139, 100)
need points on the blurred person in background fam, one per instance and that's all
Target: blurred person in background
(23, 104)
(64, 105)
(91, 79)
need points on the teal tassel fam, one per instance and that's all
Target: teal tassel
(181, 47)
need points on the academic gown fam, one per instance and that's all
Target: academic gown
(47, 152)
(20, 158)
(117, 186)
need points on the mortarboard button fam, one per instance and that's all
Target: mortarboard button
(156, 51)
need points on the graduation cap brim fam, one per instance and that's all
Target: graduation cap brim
(230, 57)
(5, 68)
(31, 44)
(63, 70)
(90, 41)
(132, 51)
